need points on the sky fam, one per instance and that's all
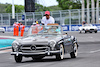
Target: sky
(42, 2)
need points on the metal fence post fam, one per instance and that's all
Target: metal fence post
(79, 16)
(61, 18)
(17, 16)
(25, 19)
(97, 15)
(88, 16)
(33, 17)
(9, 19)
(69, 20)
(51, 14)
(1, 19)
(42, 14)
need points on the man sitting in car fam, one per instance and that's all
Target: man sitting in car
(47, 19)
(83, 23)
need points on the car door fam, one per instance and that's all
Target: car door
(68, 44)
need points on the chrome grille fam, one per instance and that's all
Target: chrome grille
(91, 29)
(34, 48)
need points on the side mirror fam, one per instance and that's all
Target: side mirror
(65, 33)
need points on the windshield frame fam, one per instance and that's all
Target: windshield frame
(61, 31)
(88, 25)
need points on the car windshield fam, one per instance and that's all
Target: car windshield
(88, 25)
(44, 30)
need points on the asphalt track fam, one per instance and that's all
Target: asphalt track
(82, 38)
(88, 54)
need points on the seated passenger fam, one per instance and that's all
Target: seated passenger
(83, 23)
(47, 19)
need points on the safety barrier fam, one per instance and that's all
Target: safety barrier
(64, 27)
(76, 27)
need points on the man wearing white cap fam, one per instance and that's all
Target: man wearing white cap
(34, 24)
(47, 19)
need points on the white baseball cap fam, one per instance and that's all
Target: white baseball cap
(17, 22)
(34, 23)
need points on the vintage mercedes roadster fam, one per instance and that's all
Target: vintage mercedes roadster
(88, 28)
(45, 41)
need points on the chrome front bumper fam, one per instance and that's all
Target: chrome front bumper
(39, 53)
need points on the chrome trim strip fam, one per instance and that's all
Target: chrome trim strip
(20, 53)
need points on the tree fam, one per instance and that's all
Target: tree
(69, 4)
(2, 8)
(54, 8)
(18, 8)
(39, 7)
(7, 8)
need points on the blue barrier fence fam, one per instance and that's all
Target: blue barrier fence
(64, 27)
(76, 27)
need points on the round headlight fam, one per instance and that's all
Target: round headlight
(15, 46)
(52, 44)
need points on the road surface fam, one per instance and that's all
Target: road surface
(88, 54)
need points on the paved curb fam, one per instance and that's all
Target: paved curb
(5, 48)
(12, 37)
(79, 42)
(96, 42)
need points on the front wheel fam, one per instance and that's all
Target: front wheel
(80, 32)
(95, 31)
(85, 31)
(61, 55)
(74, 53)
(3, 32)
(18, 59)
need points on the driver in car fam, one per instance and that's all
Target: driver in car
(54, 29)
(47, 19)
(83, 23)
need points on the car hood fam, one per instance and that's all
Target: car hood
(31, 40)
(91, 27)
(88, 27)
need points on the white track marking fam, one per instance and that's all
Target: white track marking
(5, 51)
(82, 52)
(90, 37)
(95, 51)
(24, 65)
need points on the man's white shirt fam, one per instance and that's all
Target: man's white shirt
(47, 21)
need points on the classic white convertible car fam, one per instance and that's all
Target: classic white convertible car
(2, 30)
(88, 28)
